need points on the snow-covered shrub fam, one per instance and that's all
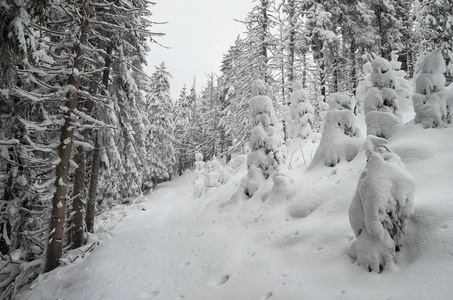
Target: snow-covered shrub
(216, 174)
(199, 184)
(339, 101)
(265, 140)
(432, 106)
(341, 139)
(301, 113)
(382, 124)
(433, 112)
(381, 206)
(280, 188)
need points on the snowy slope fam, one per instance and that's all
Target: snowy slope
(173, 246)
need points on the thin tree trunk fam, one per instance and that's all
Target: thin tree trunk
(57, 220)
(322, 76)
(77, 204)
(353, 67)
(91, 204)
(92, 191)
(80, 159)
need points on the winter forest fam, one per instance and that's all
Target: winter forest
(317, 164)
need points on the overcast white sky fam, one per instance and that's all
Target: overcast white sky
(199, 32)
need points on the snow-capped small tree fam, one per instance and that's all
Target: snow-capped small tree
(383, 96)
(384, 86)
(301, 113)
(380, 208)
(266, 142)
(340, 140)
(432, 106)
(199, 184)
(216, 174)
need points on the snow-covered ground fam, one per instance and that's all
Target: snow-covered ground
(294, 245)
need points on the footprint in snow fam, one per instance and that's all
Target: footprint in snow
(220, 281)
(224, 279)
(268, 295)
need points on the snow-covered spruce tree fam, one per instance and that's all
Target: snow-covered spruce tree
(433, 104)
(234, 84)
(384, 124)
(161, 154)
(207, 122)
(186, 134)
(358, 37)
(433, 30)
(301, 113)
(380, 208)
(341, 139)
(380, 87)
(128, 49)
(124, 91)
(321, 25)
(389, 25)
(259, 39)
(383, 88)
(30, 122)
(266, 156)
(294, 43)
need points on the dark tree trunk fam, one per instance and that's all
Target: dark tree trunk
(80, 159)
(57, 220)
(92, 191)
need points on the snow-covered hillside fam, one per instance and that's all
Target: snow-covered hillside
(294, 245)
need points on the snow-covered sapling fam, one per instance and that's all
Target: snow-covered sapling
(216, 174)
(382, 204)
(381, 94)
(432, 105)
(340, 140)
(266, 156)
(301, 113)
(199, 185)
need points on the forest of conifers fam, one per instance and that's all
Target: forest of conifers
(82, 127)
